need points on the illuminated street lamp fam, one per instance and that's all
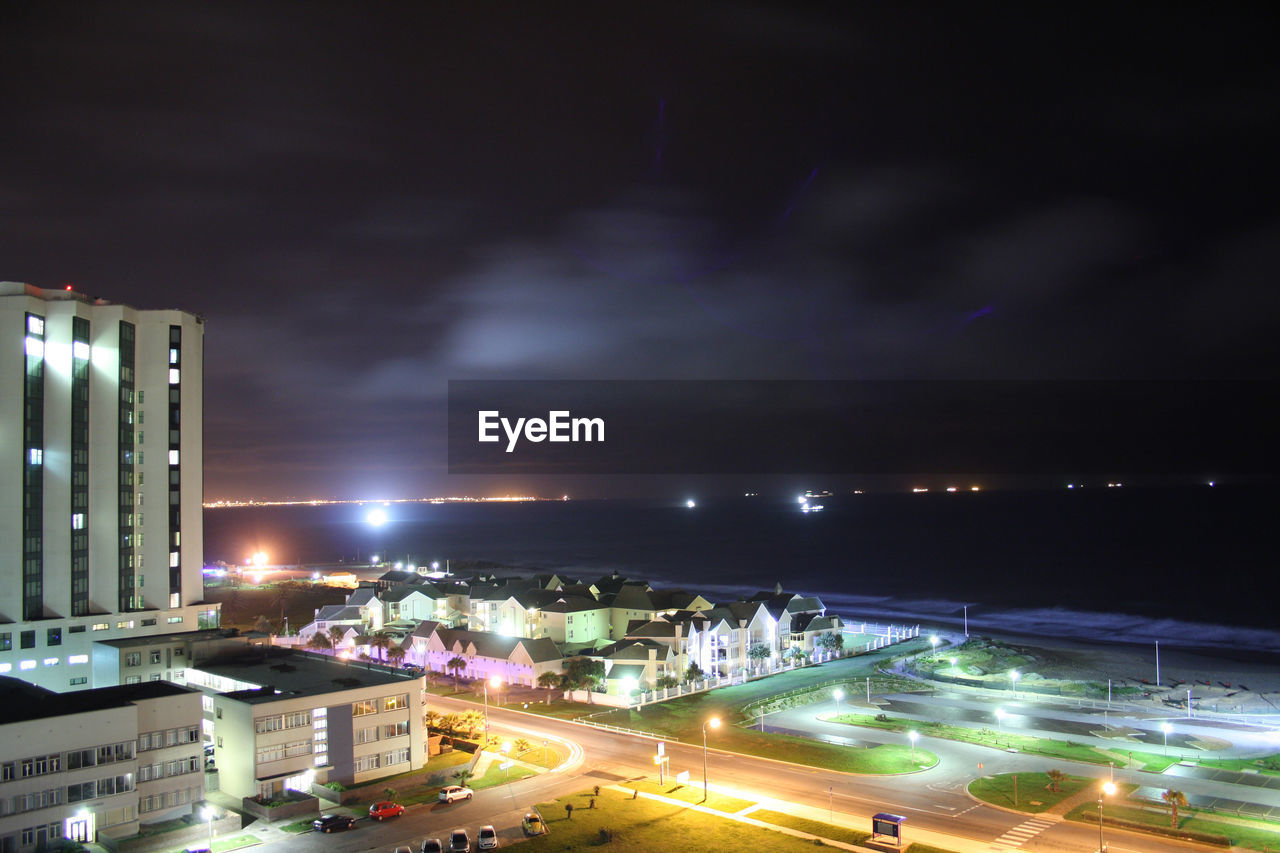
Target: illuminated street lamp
(839, 694)
(1166, 728)
(953, 664)
(714, 722)
(1013, 677)
(913, 736)
(1108, 788)
(1000, 718)
(496, 682)
(207, 814)
(934, 642)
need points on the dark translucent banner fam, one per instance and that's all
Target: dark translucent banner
(845, 427)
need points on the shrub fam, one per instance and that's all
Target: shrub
(606, 835)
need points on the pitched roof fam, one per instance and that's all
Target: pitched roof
(338, 613)
(573, 604)
(632, 596)
(361, 596)
(654, 628)
(625, 670)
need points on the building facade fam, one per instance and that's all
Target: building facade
(100, 499)
(95, 763)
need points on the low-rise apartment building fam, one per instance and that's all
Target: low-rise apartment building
(96, 762)
(284, 719)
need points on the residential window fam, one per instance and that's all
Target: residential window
(366, 762)
(6, 641)
(269, 724)
(133, 659)
(53, 637)
(155, 656)
(396, 703)
(399, 756)
(28, 639)
(368, 735)
(396, 729)
(365, 706)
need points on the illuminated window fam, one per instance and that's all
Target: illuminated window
(35, 325)
(27, 664)
(77, 521)
(51, 661)
(173, 355)
(173, 375)
(101, 626)
(35, 347)
(173, 457)
(37, 456)
(173, 559)
(74, 659)
(6, 667)
(80, 350)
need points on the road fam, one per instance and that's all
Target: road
(933, 800)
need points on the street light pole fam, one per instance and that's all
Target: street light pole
(1107, 789)
(208, 815)
(1166, 728)
(714, 722)
(496, 682)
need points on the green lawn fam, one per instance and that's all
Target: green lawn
(298, 826)
(1033, 792)
(1253, 834)
(692, 793)
(642, 826)
(235, 842)
(819, 828)
(996, 739)
(1267, 765)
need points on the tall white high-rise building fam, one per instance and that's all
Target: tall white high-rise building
(101, 479)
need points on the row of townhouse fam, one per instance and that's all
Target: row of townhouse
(658, 639)
(576, 615)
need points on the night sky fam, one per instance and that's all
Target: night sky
(367, 200)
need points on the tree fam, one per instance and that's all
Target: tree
(693, 673)
(831, 643)
(568, 811)
(549, 681)
(389, 793)
(380, 643)
(759, 652)
(665, 681)
(262, 624)
(319, 641)
(462, 776)
(395, 655)
(336, 633)
(1175, 799)
(520, 745)
(1056, 778)
(583, 674)
(455, 664)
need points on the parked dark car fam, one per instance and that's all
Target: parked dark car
(331, 822)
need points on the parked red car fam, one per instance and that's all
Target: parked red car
(378, 811)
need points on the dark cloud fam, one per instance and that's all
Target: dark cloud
(368, 201)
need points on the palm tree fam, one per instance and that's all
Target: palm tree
(336, 633)
(319, 641)
(693, 673)
(396, 654)
(455, 664)
(520, 745)
(758, 653)
(1056, 778)
(549, 681)
(1174, 799)
(380, 642)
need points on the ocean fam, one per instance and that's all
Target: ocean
(1190, 566)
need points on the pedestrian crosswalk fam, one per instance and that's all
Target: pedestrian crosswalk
(1024, 832)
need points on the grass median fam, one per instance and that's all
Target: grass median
(642, 825)
(1031, 792)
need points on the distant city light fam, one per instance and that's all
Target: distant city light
(374, 559)
(376, 517)
(917, 490)
(951, 488)
(690, 503)
(259, 558)
(802, 499)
